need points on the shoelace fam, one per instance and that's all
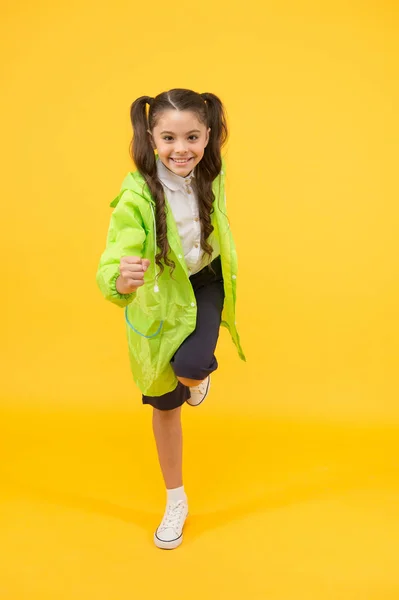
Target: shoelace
(173, 515)
(199, 388)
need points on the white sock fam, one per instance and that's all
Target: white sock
(176, 494)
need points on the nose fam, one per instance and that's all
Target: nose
(180, 147)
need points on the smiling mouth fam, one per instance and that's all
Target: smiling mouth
(181, 161)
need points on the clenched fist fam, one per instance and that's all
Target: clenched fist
(132, 269)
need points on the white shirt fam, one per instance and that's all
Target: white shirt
(183, 202)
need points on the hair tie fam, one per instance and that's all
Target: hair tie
(150, 101)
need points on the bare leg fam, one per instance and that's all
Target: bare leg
(169, 440)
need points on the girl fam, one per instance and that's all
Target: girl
(170, 261)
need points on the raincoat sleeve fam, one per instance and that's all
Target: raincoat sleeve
(126, 237)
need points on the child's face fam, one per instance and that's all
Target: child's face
(180, 140)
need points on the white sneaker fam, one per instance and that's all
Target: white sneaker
(199, 392)
(169, 534)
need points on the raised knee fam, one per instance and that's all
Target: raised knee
(189, 382)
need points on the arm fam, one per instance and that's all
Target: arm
(126, 236)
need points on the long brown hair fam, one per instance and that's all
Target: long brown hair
(209, 111)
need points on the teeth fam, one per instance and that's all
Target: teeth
(181, 161)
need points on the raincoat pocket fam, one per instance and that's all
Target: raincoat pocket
(142, 322)
(139, 332)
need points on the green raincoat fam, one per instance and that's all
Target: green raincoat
(162, 313)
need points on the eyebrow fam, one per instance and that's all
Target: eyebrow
(188, 133)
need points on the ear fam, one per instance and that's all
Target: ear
(151, 140)
(207, 136)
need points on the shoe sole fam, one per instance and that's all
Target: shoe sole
(205, 395)
(167, 545)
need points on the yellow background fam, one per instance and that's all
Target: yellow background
(291, 466)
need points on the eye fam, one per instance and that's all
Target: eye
(193, 137)
(167, 138)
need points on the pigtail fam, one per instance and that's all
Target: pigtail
(143, 156)
(218, 135)
(141, 150)
(211, 164)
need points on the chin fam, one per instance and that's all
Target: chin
(182, 172)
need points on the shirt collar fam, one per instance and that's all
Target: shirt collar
(171, 180)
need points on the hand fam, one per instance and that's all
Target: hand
(132, 269)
